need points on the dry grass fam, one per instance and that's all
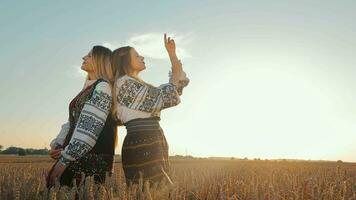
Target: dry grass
(23, 178)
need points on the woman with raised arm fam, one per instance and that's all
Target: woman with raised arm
(86, 143)
(137, 105)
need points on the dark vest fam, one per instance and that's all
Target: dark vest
(100, 158)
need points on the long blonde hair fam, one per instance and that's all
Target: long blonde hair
(103, 69)
(102, 64)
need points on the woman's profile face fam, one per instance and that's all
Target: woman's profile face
(137, 62)
(88, 64)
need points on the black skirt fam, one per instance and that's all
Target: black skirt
(145, 152)
(97, 165)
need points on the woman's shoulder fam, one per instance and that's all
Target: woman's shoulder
(103, 86)
(126, 79)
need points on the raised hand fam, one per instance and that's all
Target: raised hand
(170, 45)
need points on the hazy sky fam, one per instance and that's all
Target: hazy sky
(269, 79)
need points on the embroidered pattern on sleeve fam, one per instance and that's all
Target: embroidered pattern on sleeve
(182, 82)
(77, 147)
(128, 92)
(181, 85)
(89, 126)
(169, 96)
(150, 99)
(139, 96)
(101, 100)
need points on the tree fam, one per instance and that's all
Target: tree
(1, 147)
(21, 152)
(10, 150)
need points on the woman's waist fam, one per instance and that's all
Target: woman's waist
(143, 124)
(127, 114)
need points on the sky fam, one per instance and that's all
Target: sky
(268, 79)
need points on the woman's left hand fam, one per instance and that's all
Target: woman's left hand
(55, 153)
(57, 172)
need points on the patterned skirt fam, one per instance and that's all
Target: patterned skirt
(96, 165)
(145, 152)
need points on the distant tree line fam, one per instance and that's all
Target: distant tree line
(22, 151)
(182, 157)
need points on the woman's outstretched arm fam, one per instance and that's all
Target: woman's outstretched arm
(137, 95)
(177, 76)
(144, 97)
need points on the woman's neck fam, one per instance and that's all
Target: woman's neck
(134, 74)
(91, 76)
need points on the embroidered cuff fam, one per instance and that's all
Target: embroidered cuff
(64, 161)
(180, 81)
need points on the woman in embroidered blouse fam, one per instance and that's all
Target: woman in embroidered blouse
(86, 142)
(137, 105)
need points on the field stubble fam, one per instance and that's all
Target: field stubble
(24, 178)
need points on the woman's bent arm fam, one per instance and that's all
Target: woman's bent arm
(90, 124)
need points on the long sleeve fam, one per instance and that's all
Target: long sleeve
(59, 140)
(181, 80)
(143, 97)
(90, 124)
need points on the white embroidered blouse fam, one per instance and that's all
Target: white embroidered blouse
(93, 116)
(137, 99)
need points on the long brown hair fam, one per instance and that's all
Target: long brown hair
(121, 62)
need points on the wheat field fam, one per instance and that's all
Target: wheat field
(23, 178)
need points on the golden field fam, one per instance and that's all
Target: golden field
(23, 178)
